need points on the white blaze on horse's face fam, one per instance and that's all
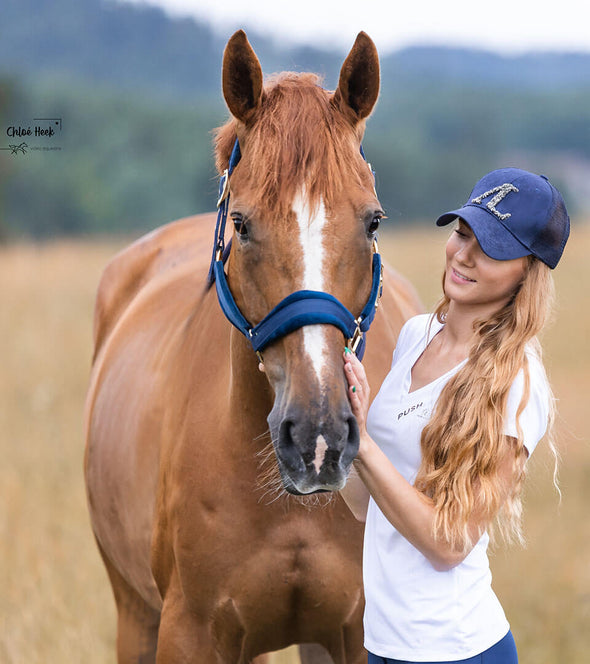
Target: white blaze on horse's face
(311, 236)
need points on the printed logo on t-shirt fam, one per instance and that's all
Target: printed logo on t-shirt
(409, 410)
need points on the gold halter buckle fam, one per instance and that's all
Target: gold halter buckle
(225, 190)
(380, 293)
(355, 340)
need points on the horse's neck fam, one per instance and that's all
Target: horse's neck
(250, 395)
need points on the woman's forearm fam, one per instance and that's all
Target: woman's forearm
(409, 511)
(356, 495)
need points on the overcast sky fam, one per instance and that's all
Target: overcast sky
(506, 26)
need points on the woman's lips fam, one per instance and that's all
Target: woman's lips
(461, 278)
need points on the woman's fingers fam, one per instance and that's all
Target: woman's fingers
(358, 388)
(355, 372)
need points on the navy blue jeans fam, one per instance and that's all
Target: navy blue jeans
(504, 652)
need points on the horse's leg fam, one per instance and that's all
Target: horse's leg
(137, 622)
(345, 648)
(183, 637)
(314, 653)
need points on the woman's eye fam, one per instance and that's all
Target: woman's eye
(240, 225)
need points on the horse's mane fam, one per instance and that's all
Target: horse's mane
(299, 136)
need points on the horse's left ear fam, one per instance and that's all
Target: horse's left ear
(241, 77)
(358, 87)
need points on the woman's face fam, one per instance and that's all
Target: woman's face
(474, 279)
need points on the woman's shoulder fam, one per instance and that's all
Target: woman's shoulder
(418, 326)
(535, 416)
(535, 361)
(414, 331)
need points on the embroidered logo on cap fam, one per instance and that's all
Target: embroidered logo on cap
(501, 192)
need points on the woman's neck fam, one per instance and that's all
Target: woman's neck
(457, 335)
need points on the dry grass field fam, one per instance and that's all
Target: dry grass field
(55, 600)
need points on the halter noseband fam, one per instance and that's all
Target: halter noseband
(303, 307)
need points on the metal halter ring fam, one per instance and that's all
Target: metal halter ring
(357, 337)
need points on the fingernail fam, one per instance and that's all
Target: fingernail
(346, 350)
(353, 388)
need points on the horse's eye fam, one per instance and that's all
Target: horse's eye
(374, 224)
(240, 224)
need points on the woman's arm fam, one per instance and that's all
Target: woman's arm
(408, 510)
(356, 495)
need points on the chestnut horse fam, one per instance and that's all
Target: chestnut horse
(196, 460)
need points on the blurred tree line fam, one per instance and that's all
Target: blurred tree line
(125, 162)
(138, 95)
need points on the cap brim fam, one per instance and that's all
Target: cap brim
(494, 238)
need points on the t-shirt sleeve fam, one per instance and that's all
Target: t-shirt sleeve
(535, 416)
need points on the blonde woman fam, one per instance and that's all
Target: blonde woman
(444, 444)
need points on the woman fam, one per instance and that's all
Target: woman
(443, 447)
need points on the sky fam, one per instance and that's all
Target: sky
(509, 27)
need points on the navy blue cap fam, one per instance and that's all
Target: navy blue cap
(514, 213)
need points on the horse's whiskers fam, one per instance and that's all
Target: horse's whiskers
(269, 477)
(316, 500)
(264, 434)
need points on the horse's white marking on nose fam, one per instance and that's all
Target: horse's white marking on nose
(311, 229)
(320, 452)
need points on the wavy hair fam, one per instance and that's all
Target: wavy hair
(463, 443)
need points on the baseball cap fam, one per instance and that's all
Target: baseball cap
(514, 213)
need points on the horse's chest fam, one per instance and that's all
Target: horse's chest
(282, 570)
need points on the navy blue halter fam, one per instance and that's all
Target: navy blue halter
(304, 307)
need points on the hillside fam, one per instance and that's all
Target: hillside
(138, 93)
(139, 47)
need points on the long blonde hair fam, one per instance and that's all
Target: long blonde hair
(463, 442)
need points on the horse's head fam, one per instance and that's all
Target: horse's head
(304, 211)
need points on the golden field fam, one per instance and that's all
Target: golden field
(55, 600)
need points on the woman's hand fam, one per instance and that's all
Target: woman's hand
(359, 391)
(355, 493)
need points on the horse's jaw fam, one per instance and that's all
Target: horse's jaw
(314, 446)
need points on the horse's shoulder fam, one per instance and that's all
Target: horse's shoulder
(151, 256)
(398, 303)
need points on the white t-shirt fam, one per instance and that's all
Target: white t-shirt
(412, 611)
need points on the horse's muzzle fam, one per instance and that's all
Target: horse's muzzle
(314, 453)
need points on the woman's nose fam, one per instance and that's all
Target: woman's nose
(466, 253)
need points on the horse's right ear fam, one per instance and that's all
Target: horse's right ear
(241, 78)
(358, 87)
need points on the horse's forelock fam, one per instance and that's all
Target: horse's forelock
(298, 139)
(224, 139)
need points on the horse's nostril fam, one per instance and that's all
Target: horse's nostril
(285, 431)
(352, 442)
(290, 455)
(353, 431)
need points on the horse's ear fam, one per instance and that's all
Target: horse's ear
(241, 78)
(358, 87)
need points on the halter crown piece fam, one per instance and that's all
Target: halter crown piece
(303, 307)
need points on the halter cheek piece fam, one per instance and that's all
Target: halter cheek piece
(303, 307)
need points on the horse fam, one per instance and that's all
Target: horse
(212, 470)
